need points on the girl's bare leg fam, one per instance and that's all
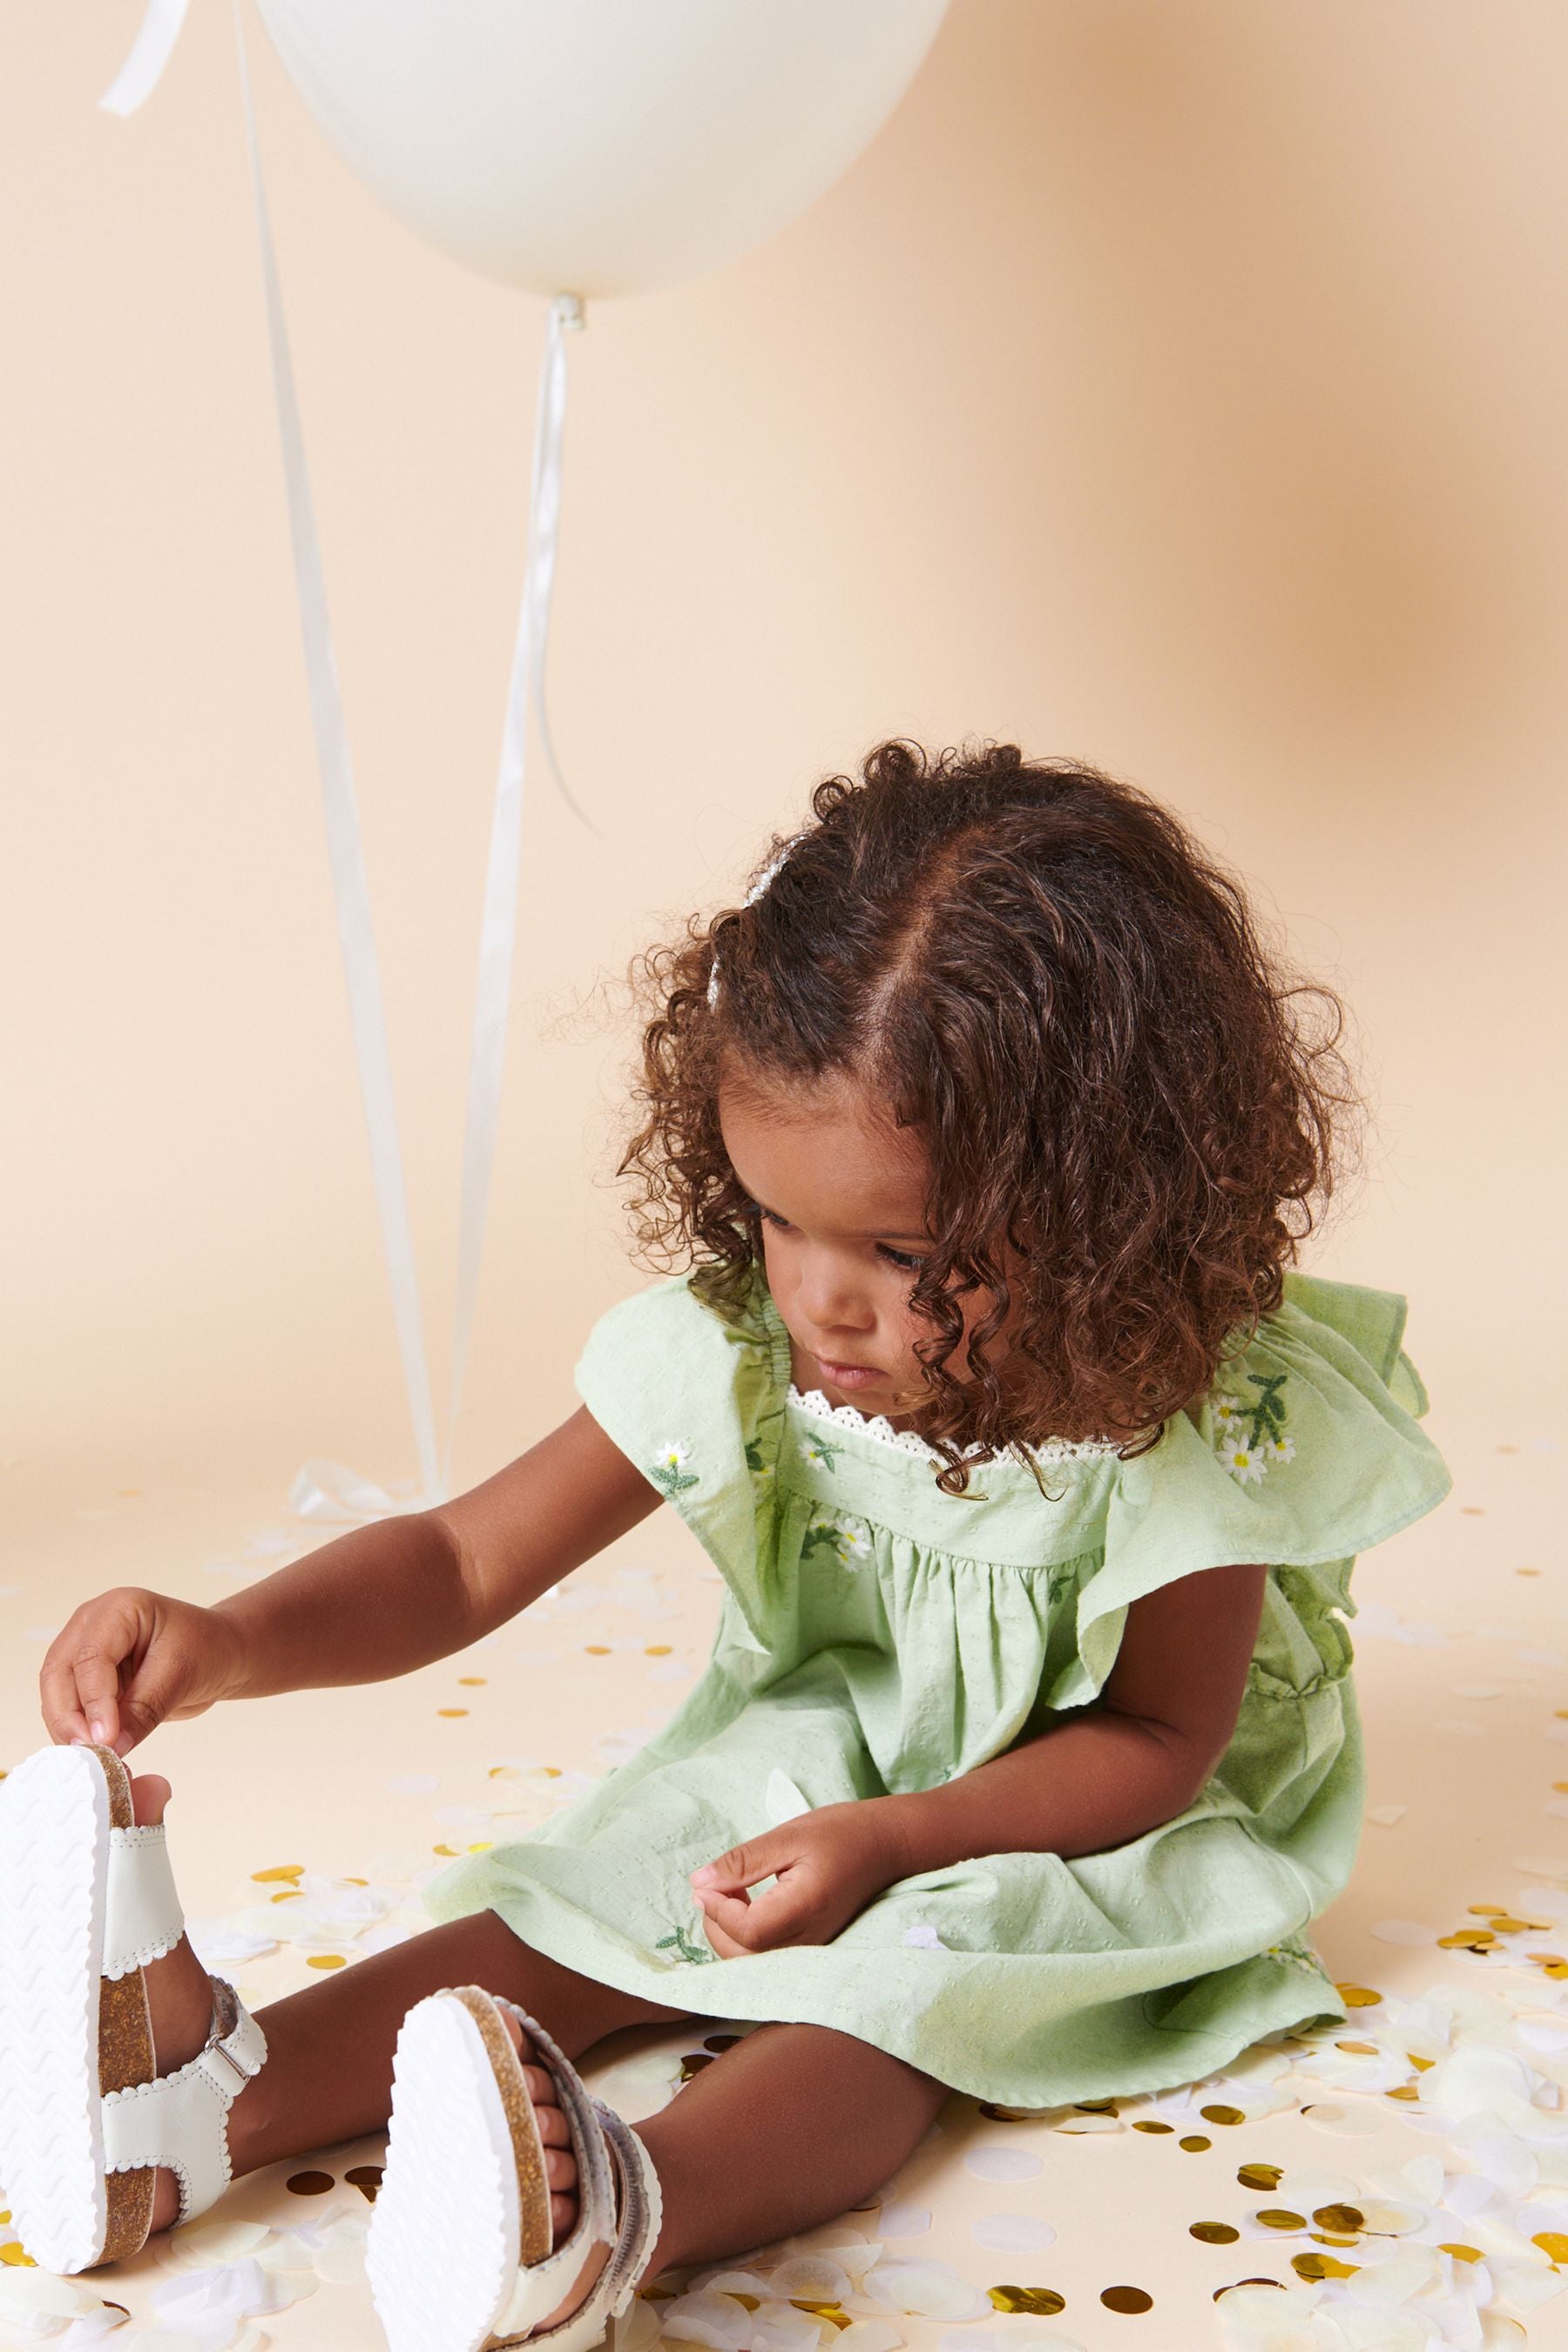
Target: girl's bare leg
(790, 2128)
(328, 2075)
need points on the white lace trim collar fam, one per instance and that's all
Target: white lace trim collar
(905, 1441)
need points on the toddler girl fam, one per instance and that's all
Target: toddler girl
(1027, 1751)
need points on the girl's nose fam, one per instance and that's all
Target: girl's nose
(831, 1298)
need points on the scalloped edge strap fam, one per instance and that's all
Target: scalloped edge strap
(143, 1918)
(180, 2120)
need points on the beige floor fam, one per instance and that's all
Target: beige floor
(1436, 2114)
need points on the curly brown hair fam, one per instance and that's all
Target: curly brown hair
(1130, 1122)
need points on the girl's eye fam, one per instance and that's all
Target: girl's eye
(902, 1259)
(771, 1217)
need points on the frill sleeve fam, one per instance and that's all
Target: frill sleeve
(695, 1398)
(1305, 1453)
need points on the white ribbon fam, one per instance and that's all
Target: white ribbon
(345, 849)
(498, 930)
(323, 1491)
(149, 52)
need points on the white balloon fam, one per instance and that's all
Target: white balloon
(600, 147)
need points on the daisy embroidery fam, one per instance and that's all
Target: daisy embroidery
(668, 1470)
(1245, 1461)
(848, 1545)
(1250, 1439)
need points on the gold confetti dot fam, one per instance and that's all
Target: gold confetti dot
(1338, 2217)
(1359, 2049)
(1094, 2107)
(1422, 2065)
(1526, 1571)
(694, 2061)
(1472, 1511)
(718, 2042)
(1039, 2302)
(1260, 2175)
(1553, 2242)
(1280, 2217)
(482, 1845)
(1467, 1939)
(1403, 2091)
(1000, 2115)
(1330, 2238)
(1150, 2126)
(1466, 2253)
(289, 1894)
(1221, 2114)
(1214, 2233)
(353, 1882)
(472, 1682)
(597, 1649)
(450, 1852)
(1312, 2267)
(309, 2184)
(17, 2257)
(284, 1870)
(326, 1960)
(658, 1650)
(1221, 2291)
(1194, 2143)
(366, 2178)
(1126, 2298)
(1355, 1996)
(833, 2312)
(451, 1713)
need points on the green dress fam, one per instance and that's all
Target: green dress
(878, 1635)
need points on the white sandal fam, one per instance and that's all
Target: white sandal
(84, 2123)
(460, 2253)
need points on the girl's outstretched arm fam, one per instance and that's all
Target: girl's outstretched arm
(377, 1602)
(1097, 1779)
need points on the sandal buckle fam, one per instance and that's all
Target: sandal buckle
(241, 2074)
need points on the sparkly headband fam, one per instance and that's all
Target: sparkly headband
(753, 895)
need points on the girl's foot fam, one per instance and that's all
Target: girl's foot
(544, 2204)
(179, 1999)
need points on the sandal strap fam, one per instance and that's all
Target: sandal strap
(619, 2205)
(142, 1918)
(180, 2120)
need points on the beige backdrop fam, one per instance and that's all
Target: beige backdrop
(1179, 382)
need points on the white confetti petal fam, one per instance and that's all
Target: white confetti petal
(993, 2162)
(926, 2289)
(1012, 2234)
(903, 2221)
(1404, 1931)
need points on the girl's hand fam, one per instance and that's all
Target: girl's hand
(830, 1864)
(131, 1660)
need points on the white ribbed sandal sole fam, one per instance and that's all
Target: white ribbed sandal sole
(444, 2234)
(65, 2035)
(460, 2253)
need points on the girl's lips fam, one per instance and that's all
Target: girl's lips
(851, 1376)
